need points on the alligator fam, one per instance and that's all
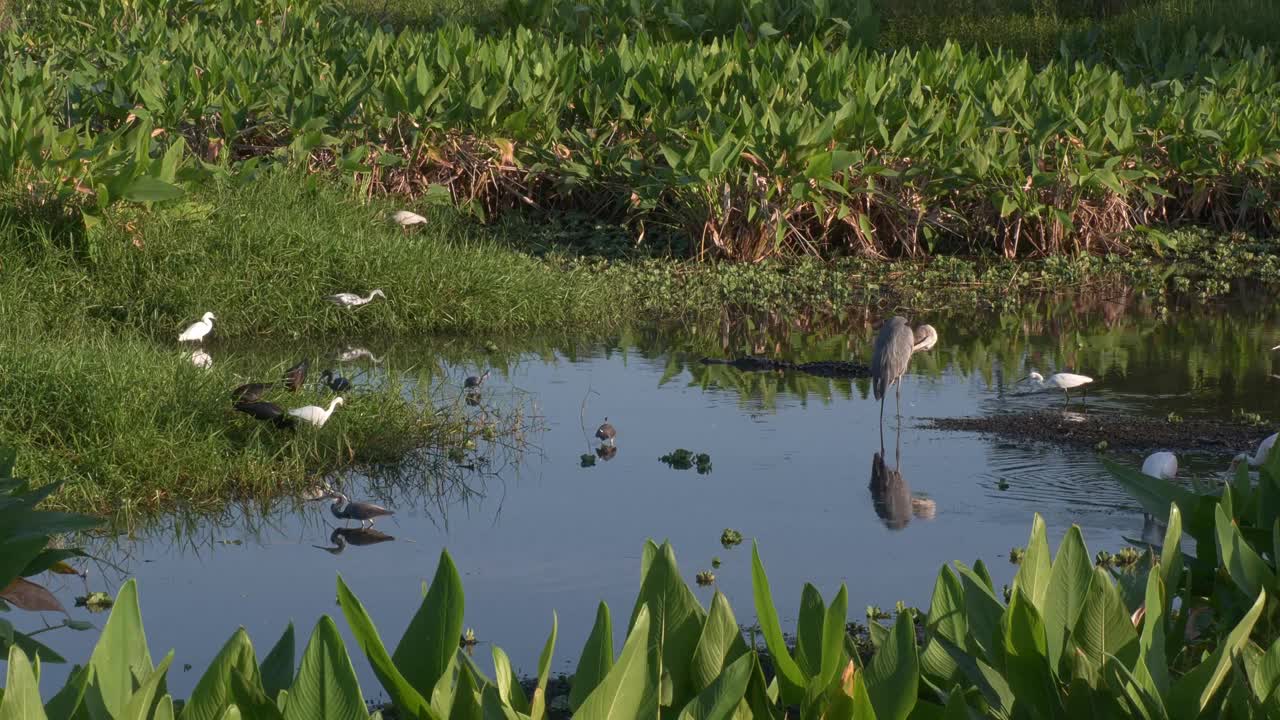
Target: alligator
(822, 368)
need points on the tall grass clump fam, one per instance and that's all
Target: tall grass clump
(133, 427)
(264, 255)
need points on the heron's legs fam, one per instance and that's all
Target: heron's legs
(897, 389)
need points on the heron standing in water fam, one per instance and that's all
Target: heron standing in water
(894, 346)
(345, 509)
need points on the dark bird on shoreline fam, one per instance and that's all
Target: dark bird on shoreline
(295, 376)
(336, 383)
(250, 392)
(346, 509)
(266, 411)
(606, 433)
(474, 382)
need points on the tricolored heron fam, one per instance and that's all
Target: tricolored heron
(352, 299)
(344, 508)
(894, 346)
(336, 383)
(315, 414)
(196, 331)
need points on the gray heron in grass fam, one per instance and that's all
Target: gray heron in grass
(196, 331)
(894, 346)
(344, 508)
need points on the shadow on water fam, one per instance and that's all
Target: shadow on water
(524, 515)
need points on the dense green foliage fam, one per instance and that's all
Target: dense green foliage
(751, 149)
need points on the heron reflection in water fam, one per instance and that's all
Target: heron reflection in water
(606, 452)
(891, 496)
(341, 537)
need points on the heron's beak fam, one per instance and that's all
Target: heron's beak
(1276, 347)
(1028, 377)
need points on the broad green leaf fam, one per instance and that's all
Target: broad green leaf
(149, 189)
(139, 707)
(1033, 572)
(428, 644)
(719, 700)
(326, 687)
(627, 692)
(792, 681)
(212, 694)
(834, 631)
(893, 676)
(466, 704)
(164, 709)
(1104, 627)
(121, 650)
(509, 690)
(676, 620)
(983, 611)
(990, 683)
(277, 667)
(946, 619)
(251, 699)
(1246, 568)
(813, 613)
(1027, 658)
(596, 658)
(1192, 692)
(366, 636)
(1069, 585)
(1269, 671)
(538, 706)
(1152, 670)
(21, 690)
(721, 643)
(1171, 555)
(65, 702)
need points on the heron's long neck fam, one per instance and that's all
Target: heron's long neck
(338, 506)
(370, 298)
(332, 404)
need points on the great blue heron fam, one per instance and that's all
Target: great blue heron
(606, 433)
(315, 414)
(475, 381)
(894, 347)
(1063, 380)
(196, 331)
(891, 497)
(249, 392)
(1260, 455)
(346, 509)
(352, 299)
(266, 411)
(336, 383)
(296, 376)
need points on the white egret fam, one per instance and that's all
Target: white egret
(202, 359)
(197, 330)
(1162, 465)
(1063, 380)
(352, 299)
(351, 354)
(894, 347)
(1259, 457)
(406, 218)
(315, 414)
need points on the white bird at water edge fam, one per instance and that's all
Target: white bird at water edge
(352, 299)
(315, 414)
(1260, 456)
(1063, 380)
(1162, 465)
(197, 330)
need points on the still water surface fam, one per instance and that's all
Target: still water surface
(792, 461)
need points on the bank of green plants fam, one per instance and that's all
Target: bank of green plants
(750, 149)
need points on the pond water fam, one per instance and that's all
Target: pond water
(792, 462)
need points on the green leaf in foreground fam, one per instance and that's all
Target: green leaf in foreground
(596, 658)
(627, 692)
(326, 687)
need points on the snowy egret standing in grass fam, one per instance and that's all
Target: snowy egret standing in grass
(1063, 380)
(345, 509)
(894, 346)
(353, 300)
(315, 414)
(406, 219)
(196, 331)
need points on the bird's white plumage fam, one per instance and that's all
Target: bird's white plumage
(1260, 456)
(351, 354)
(197, 330)
(1162, 465)
(1063, 380)
(201, 359)
(405, 218)
(315, 414)
(352, 299)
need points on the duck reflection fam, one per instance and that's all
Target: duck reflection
(891, 496)
(606, 452)
(341, 537)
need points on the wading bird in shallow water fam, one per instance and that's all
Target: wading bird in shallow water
(352, 299)
(336, 383)
(1260, 456)
(295, 377)
(1063, 380)
(606, 433)
(474, 382)
(351, 354)
(249, 392)
(196, 331)
(341, 537)
(315, 414)
(201, 359)
(406, 219)
(266, 411)
(345, 509)
(1161, 465)
(894, 346)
